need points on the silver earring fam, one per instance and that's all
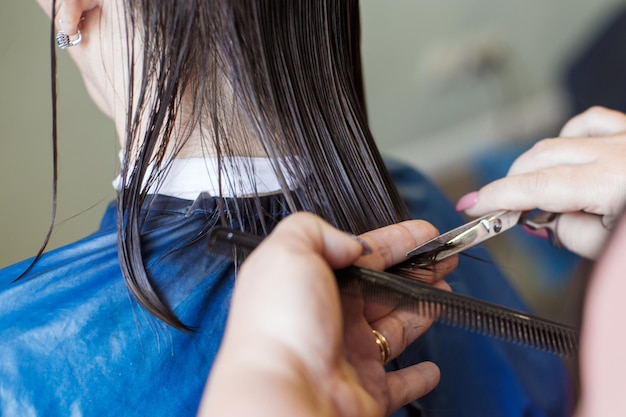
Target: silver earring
(64, 40)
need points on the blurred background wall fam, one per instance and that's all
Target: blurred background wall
(450, 78)
(87, 142)
(446, 81)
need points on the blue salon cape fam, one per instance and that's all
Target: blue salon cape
(74, 342)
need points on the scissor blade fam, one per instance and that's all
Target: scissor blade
(466, 236)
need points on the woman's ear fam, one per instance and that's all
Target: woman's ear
(71, 12)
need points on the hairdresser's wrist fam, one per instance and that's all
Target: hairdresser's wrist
(269, 375)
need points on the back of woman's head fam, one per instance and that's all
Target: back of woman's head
(274, 78)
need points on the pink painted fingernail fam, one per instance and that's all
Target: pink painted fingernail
(540, 233)
(467, 201)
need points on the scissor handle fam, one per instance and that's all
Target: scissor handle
(544, 220)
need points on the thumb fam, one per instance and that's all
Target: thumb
(305, 233)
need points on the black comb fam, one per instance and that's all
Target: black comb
(446, 307)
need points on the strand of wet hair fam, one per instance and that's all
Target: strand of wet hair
(55, 170)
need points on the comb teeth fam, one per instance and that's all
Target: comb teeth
(511, 326)
(460, 311)
(446, 307)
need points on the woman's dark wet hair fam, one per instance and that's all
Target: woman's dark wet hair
(283, 74)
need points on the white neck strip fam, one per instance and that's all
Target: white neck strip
(241, 177)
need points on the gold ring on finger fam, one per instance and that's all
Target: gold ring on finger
(383, 345)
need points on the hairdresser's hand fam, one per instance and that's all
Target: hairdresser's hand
(287, 350)
(582, 174)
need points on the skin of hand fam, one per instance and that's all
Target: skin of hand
(603, 342)
(582, 174)
(294, 346)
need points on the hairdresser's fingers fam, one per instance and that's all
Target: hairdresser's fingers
(399, 326)
(304, 233)
(565, 190)
(390, 245)
(596, 121)
(548, 153)
(297, 258)
(592, 188)
(582, 233)
(411, 383)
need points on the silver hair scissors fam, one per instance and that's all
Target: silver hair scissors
(479, 230)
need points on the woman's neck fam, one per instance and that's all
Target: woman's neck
(197, 141)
